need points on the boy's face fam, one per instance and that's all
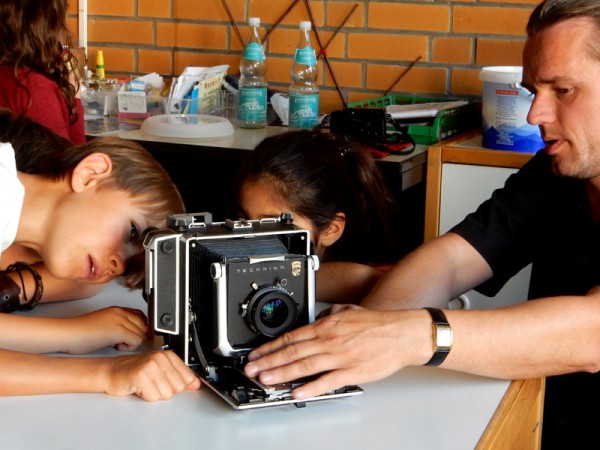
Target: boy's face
(92, 235)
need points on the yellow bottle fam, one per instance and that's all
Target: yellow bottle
(100, 65)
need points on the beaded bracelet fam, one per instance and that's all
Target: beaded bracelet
(39, 286)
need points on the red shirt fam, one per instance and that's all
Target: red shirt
(48, 105)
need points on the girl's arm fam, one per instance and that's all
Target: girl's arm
(345, 282)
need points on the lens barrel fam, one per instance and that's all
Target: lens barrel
(271, 311)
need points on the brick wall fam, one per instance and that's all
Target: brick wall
(452, 40)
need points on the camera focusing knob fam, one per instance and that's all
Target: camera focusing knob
(167, 247)
(167, 320)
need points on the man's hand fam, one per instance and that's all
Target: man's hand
(349, 347)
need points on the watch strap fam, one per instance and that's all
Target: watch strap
(442, 337)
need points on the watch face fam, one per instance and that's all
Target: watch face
(444, 337)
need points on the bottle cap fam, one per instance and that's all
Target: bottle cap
(100, 74)
(100, 59)
(254, 21)
(305, 25)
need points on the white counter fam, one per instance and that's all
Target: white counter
(241, 139)
(411, 166)
(416, 408)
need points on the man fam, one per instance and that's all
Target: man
(547, 214)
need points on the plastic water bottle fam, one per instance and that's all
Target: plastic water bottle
(252, 95)
(303, 92)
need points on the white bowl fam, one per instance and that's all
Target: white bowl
(190, 126)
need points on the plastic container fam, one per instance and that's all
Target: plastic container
(505, 105)
(446, 123)
(187, 126)
(99, 97)
(303, 92)
(252, 95)
(183, 106)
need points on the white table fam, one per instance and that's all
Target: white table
(416, 408)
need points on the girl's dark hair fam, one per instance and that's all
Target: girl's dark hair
(34, 35)
(319, 175)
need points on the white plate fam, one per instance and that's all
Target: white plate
(187, 126)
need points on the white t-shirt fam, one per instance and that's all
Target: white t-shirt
(12, 193)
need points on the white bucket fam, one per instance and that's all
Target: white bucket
(505, 105)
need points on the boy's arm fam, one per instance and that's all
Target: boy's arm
(150, 376)
(54, 289)
(122, 328)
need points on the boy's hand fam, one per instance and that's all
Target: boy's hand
(150, 376)
(122, 328)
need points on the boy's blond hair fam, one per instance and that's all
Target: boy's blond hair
(39, 151)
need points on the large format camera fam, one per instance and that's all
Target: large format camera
(215, 291)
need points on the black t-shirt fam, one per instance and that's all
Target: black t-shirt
(544, 219)
(539, 218)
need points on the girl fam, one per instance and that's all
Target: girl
(37, 75)
(333, 189)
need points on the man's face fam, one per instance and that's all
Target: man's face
(92, 235)
(560, 70)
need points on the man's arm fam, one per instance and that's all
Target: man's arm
(432, 275)
(532, 339)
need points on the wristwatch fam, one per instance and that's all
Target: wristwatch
(442, 337)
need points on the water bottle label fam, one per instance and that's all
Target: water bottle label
(305, 56)
(252, 105)
(254, 52)
(304, 110)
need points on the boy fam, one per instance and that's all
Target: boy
(79, 211)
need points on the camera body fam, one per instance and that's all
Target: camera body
(215, 291)
(373, 127)
(367, 125)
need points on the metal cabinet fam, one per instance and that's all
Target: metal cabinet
(460, 175)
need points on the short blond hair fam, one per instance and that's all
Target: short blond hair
(39, 151)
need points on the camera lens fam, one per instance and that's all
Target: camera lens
(274, 313)
(271, 311)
